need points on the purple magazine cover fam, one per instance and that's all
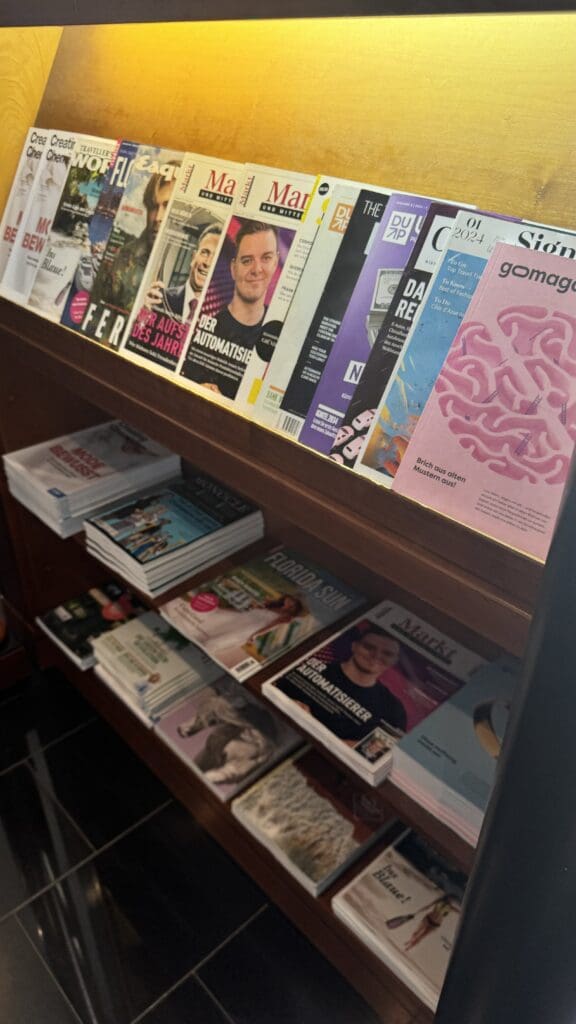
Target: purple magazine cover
(391, 246)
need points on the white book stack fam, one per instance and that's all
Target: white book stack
(151, 667)
(66, 479)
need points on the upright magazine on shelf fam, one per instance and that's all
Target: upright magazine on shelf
(388, 251)
(293, 333)
(330, 309)
(32, 235)
(67, 261)
(99, 229)
(406, 907)
(471, 242)
(294, 268)
(26, 171)
(313, 818)
(227, 736)
(493, 446)
(180, 265)
(259, 610)
(147, 191)
(367, 686)
(398, 321)
(258, 238)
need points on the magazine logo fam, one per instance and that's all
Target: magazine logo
(90, 162)
(399, 228)
(341, 218)
(434, 243)
(220, 188)
(421, 637)
(560, 284)
(120, 172)
(537, 241)
(167, 171)
(307, 580)
(353, 372)
(285, 201)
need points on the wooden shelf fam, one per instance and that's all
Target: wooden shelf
(391, 1000)
(80, 12)
(476, 582)
(14, 666)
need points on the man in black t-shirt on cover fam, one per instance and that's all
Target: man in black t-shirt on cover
(252, 269)
(358, 678)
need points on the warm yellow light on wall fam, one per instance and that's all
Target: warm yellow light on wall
(26, 56)
(472, 107)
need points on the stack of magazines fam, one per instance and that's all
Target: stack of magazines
(150, 666)
(75, 623)
(63, 481)
(406, 907)
(163, 535)
(313, 818)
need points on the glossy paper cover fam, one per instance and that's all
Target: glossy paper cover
(493, 446)
(388, 252)
(258, 611)
(180, 265)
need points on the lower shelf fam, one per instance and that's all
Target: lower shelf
(14, 666)
(390, 999)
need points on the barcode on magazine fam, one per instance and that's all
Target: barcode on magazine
(246, 667)
(290, 424)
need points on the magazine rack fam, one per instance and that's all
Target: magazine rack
(458, 124)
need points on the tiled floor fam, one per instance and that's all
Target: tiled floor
(116, 907)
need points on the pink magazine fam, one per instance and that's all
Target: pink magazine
(493, 446)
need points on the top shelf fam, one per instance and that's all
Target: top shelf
(478, 583)
(80, 12)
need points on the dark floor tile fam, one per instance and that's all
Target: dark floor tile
(101, 783)
(28, 995)
(37, 842)
(123, 929)
(269, 972)
(46, 707)
(188, 1004)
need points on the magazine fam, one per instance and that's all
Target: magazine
(148, 188)
(493, 447)
(26, 171)
(32, 235)
(99, 228)
(180, 265)
(388, 252)
(471, 242)
(448, 762)
(293, 333)
(330, 309)
(227, 737)
(254, 613)
(247, 268)
(294, 268)
(406, 907)
(370, 684)
(67, 252)
(74, 623)
(313, 818)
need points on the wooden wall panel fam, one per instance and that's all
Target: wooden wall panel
(26, 57)
(477, 107)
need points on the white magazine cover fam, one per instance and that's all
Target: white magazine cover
(32, 236)
(26, 171)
